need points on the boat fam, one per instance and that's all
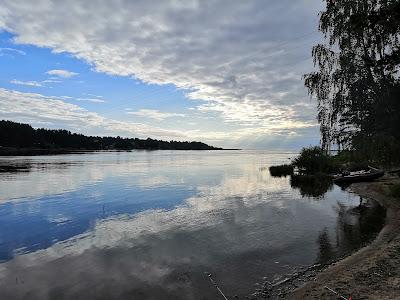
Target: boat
(359, 176)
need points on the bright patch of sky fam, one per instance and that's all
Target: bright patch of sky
(224, 72)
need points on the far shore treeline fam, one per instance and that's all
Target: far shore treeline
(18, 137)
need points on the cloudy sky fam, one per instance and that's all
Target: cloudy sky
(225, 72)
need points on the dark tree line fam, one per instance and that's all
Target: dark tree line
(20, 135)
(357, 79)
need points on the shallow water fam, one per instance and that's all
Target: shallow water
(152, 224)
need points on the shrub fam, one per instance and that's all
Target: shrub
(381, 149)
(395, 190)
(314, 160)
(282, 170)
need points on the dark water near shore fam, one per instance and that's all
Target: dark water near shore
(150, 225)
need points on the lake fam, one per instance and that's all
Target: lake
(154, 224)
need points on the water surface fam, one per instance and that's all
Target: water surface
(152, 224)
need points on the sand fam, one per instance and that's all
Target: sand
(372, 272)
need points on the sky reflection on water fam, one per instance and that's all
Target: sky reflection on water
(148, 225)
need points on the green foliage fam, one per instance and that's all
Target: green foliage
(350, 161)
(344, 157)
(314, 160)
(282, 170)
(15, 134)
(24, 136)
(381, 149)
(395, 190)
(356, 83)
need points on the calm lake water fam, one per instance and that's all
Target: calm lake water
(151, 225)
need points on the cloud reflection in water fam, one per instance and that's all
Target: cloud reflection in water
(227, 217)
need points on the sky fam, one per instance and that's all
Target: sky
(226, 72)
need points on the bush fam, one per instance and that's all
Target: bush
(379, 149)
(314, 160)
(395, 190)
(282, 170)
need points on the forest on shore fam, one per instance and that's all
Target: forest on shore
(356, 82)
(23, 136)
(357, 79)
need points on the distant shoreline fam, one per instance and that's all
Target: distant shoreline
(10, 151)
(23, 139)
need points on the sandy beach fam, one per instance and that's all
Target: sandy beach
(372, 272)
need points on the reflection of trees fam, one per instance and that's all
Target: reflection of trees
(348, 229)
(15, 168)
(356, 226)
(326, 250)
(27, 166)
(311, 186)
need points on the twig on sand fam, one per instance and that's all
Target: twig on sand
(329, 289)
(216, 285)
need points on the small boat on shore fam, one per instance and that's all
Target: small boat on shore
(359, 176)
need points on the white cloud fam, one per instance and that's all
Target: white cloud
(8, 51)
(34, 83)
(32, 107)
(244, 59)
(93, 95)
(51, 81)
(62, 73)
(54, 112)
(154, 114)
(35, 108)
(27, 83)
(94, 100)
